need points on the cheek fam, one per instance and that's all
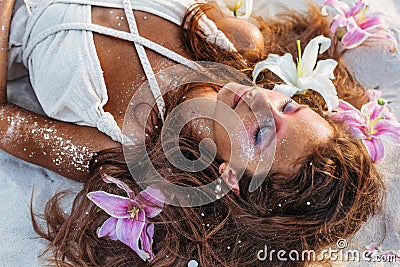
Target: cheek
(291, 144)
(202, 128)
(221, 139)
(313, 130)
(298, 138)
(234, 144)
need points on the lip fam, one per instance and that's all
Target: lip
(239, 96)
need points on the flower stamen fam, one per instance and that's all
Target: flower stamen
(372, 124)
(299, 71)
(364, 13)
(134, 211)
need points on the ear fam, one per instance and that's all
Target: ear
(230, 178)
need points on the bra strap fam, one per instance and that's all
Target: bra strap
(148, 70)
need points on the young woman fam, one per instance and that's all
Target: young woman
(321, 186)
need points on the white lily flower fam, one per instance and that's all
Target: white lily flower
(298, 79)
(235, 5)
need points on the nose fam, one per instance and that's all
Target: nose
(257, 101)
(262, 104)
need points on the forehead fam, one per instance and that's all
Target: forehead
(298, 136)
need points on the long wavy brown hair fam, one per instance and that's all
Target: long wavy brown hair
(337, 189)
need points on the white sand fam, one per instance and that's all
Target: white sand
(19, 245)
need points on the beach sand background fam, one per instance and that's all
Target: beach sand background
(374, 66)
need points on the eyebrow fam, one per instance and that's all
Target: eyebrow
(301, 107)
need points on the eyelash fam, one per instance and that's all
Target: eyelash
(285, 103)
(255, 137)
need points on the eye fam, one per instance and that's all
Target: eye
(257, 136)
(260, 134)
(289, 105)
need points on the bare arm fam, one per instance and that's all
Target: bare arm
(62, 147)
(6, 7)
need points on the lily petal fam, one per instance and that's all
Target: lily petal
(372, 110)
(340, 7)
(152, 201)
(325, 68)
(108, 228)
(324, 11)
(373, 94)
(249, 8)
(354, 35)
(354, 121)
(371, 22)
(382, 34)
(147, 238)
(338, 22)
(375, 149)
(388, 131)
(282, 66)
(129, 231)
(318, 44)
(153, 195)
(389, 116)
(234, 5)
(349, 116)
(324, 87)
(108, 179)
(285, 89)
(357, 132)
(357, 7)
(114, 205)
(344, 106)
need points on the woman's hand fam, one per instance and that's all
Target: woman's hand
(6, 7)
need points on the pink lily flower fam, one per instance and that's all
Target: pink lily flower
(373, 94)
(372, 124)
(372, 250)
(129, 221)
(356, 24)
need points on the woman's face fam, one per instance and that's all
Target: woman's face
(263, 128)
